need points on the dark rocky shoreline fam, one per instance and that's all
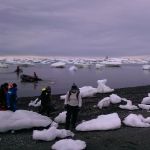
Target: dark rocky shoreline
(125, 138)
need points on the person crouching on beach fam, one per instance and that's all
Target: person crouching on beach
(73, 103)
(45, 98)
(12, 97)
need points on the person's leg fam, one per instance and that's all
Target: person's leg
(74, 117)
(68, 117)
(48, 111)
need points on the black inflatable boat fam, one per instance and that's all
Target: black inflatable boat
(28, 78)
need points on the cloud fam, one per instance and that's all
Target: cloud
(74, 27)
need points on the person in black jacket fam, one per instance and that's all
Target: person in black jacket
(3, 96)
(45, 97)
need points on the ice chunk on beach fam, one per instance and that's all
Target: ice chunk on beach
(61, 118)
(54, 124)
(128, 106)
(134, 120)
(105, 102)
(144, 106)
(51, 134)
(69, 144)
(102, 88)
(102, 122)
(22, 119)
(35, 103)
(87, 91)
(146, 100)
(115, 99)
(58, 65)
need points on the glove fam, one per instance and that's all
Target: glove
(65, 107)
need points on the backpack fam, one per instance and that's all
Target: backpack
(77, 94)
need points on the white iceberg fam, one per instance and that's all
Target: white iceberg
(58, 65)
(112, 64)
(102, 88)
(22, 119)
(102, 122)
(69, 144)
(128, 106)
(73, 68)
(114, 99)
(61, 118)
(134, 120)
(146, 100)
(146, 67)
(99, 66)
(51, 134)
(2, 65)
(81, 64)
(87, 91)
(144, 106)
(105, 102)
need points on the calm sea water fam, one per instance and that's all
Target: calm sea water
(61, 79)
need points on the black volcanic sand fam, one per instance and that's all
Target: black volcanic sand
(125, 138)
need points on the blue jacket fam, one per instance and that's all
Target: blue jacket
(11, 96)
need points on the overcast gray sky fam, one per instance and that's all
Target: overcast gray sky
(75, 27)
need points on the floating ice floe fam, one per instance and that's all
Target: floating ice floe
(59, 65)
(61, 118)
(51, 134)
(102, 122)
(88, 91)
(144, 106)
(81, 65)
(112, 64)
(22, 119)
(69, 144)
(35, 103)
(146, 67)
(134, 120)
(73, 68)
(3, 65)
(99, 66)
(128, 106)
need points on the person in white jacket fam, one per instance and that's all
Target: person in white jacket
(73, 103)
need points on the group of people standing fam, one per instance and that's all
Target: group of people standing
(8, 96)
(72, 104)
